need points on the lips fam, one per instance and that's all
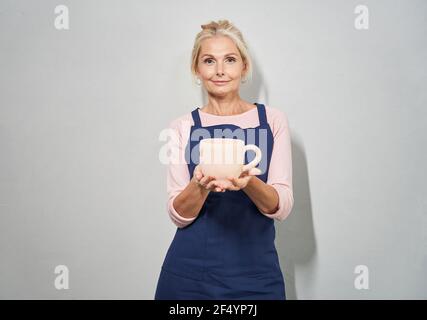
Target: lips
(220, 82)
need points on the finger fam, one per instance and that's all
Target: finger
(231, 179)
(234, 181)
(198, 172)
(223, 184)
(244, 174)
(254, 172)
(234, 184)
(233, 188)
(205, 180)
(239, 183)
(198, 175)
(210, 181)
(202, 181)
(215, 186)
(211, 184)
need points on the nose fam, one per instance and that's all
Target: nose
(219, 71)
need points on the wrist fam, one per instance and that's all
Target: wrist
(250, 183)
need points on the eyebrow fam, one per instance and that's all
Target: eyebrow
(228, 54)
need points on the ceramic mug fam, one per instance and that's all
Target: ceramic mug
(224, 157)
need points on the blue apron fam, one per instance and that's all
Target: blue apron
(228, 251)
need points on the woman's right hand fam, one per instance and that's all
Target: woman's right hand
(206, 182)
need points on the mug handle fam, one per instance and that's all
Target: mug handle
(256, 160)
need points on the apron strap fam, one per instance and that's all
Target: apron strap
(262, 114)
(196, 117)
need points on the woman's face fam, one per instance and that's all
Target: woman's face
(220, 60)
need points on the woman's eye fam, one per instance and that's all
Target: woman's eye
(209, 60)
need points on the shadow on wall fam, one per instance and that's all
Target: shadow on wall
(295, 238)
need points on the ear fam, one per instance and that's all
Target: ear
(245, 68)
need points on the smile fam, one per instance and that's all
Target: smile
(220, 83)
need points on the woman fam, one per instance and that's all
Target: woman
(224, 244)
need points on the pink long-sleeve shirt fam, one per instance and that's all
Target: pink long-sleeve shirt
(279, 174)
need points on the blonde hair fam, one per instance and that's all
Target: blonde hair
(224, 28)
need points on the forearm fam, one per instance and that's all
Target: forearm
(190, 201)
(264, 196)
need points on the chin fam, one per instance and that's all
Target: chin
(217, 93)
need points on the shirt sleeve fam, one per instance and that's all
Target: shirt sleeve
(280, 170)
(178, 176)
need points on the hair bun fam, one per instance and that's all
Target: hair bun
(211, 25)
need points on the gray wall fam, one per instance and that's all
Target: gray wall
(81, 110)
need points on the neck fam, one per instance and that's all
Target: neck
(226, 107)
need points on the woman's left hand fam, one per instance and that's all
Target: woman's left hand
(235, 184)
